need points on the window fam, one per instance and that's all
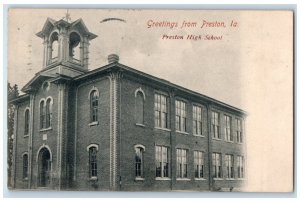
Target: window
(42, 115)
(199, 164)
(25, 166)
(228, 134)
(180, 116)
(139, 162)
(139, 107)
(161, 111)
(93, 161)
(94, 99)
(27, 119)
(74, 47)
(54, 47)
(46, 86)
(215, 125)
(239, 131)
(216, 161)
(229, 166)
(197, 120)
(181, 163)
(162, 161)
(240, 167)
(48, 113)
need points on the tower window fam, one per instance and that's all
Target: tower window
(74, 47)
(54, 47)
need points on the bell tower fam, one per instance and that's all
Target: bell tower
(66, 46)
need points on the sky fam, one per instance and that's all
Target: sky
(206, 66)
(251, 67)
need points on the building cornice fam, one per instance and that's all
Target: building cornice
(20, 99)
(158, 81)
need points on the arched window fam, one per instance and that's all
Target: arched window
(94, 99)
(139, 161)
(74, 47)
(42, 114)
(54, 47)
(48, 113)
(139, 107)
(25, 166)
(93, 162)
(27, 117)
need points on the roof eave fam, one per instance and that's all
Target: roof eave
(159, 81)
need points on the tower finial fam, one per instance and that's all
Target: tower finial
(67, 17)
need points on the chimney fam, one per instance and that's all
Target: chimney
(113, 58)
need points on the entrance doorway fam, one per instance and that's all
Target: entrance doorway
(44, 168)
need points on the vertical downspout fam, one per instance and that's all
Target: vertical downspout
(16, 109)
(120, 137)
(172, 139)
(32, 98)
(208, 147)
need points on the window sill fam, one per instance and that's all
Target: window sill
(241, 178)
(217, 179)
(240, 143)
(182, 132)
(200, 179)
(93, 178)
(94, 123)
(165, 129)
(231, 179)
(139, 179)
(163, 178)
(139, 124)
(183, 179)
(217, 139)
(45, 129)
(198, 135)
(229, 141)
(26, 136)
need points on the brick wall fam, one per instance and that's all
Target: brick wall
(96, 134)
(78, 134)
(22, 146)
(149, 136)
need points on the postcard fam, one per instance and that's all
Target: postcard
(150, 100)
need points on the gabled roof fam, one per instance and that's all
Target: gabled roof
(39, 77)
(50, 24)
(47, 28)
(83, 27)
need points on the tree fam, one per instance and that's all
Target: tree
(12, 92)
